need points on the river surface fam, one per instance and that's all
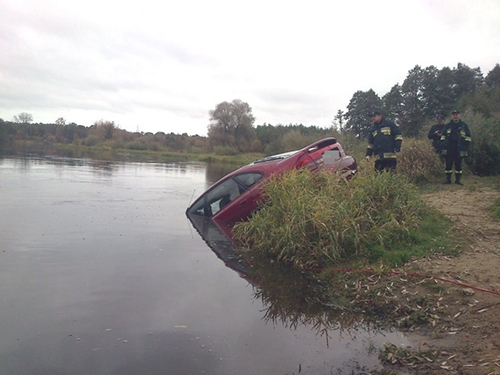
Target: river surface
(102, 273)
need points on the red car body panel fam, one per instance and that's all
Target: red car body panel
(237, 195)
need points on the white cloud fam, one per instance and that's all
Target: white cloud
(162, 66)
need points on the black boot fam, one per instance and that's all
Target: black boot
(458, 177)
(448, 179)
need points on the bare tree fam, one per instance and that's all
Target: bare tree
(23, 118)
(61, 121)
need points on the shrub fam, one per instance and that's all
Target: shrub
(418, 162)
(196, 150)
(484, 151)
(225, 150)
(137, 144)
(495, 209)
(116, 145)
(319, 220)
(91, 140)
(153, 146)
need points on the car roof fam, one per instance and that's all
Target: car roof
(275, 162)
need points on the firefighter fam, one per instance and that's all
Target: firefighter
(455, 142)
(384, 141)
(435, 133)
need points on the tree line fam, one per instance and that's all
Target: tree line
(424, 93)
(264, 138)
(413, 105)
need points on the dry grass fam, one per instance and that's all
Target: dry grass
(418, 162)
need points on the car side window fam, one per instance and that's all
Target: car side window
(222, 195)
(330, 157)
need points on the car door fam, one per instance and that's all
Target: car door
(306, 161)
(243, 193)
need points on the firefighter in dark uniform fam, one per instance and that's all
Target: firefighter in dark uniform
(384, 141)
(435, 133)
(455, 142)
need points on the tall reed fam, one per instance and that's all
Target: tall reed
(418, 162)
(318, 220)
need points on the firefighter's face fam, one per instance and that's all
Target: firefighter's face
(455, 117)
(376, 119)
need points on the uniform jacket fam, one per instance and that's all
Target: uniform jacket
(455, 139)
(384, 140)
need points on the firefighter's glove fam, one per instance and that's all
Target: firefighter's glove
(367, 157)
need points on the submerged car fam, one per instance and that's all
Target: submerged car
(238, 194)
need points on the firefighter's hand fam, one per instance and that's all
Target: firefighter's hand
(367, 158)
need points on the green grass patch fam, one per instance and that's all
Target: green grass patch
(317, 221)
(495, 209)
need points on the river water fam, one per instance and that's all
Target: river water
(102, 273)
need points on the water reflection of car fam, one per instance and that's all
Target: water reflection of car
(217, 235)
(235, 196)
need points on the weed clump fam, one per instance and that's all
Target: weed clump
(419, 163)
(321, 220)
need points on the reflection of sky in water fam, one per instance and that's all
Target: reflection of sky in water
(102, 273)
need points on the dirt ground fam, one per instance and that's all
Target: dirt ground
(463, 333)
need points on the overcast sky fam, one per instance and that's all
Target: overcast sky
(162, 65)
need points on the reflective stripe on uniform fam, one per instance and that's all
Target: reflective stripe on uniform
(388, 155)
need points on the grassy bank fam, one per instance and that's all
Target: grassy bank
(375, 220)
(320, 221)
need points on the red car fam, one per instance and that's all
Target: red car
(235, 196)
